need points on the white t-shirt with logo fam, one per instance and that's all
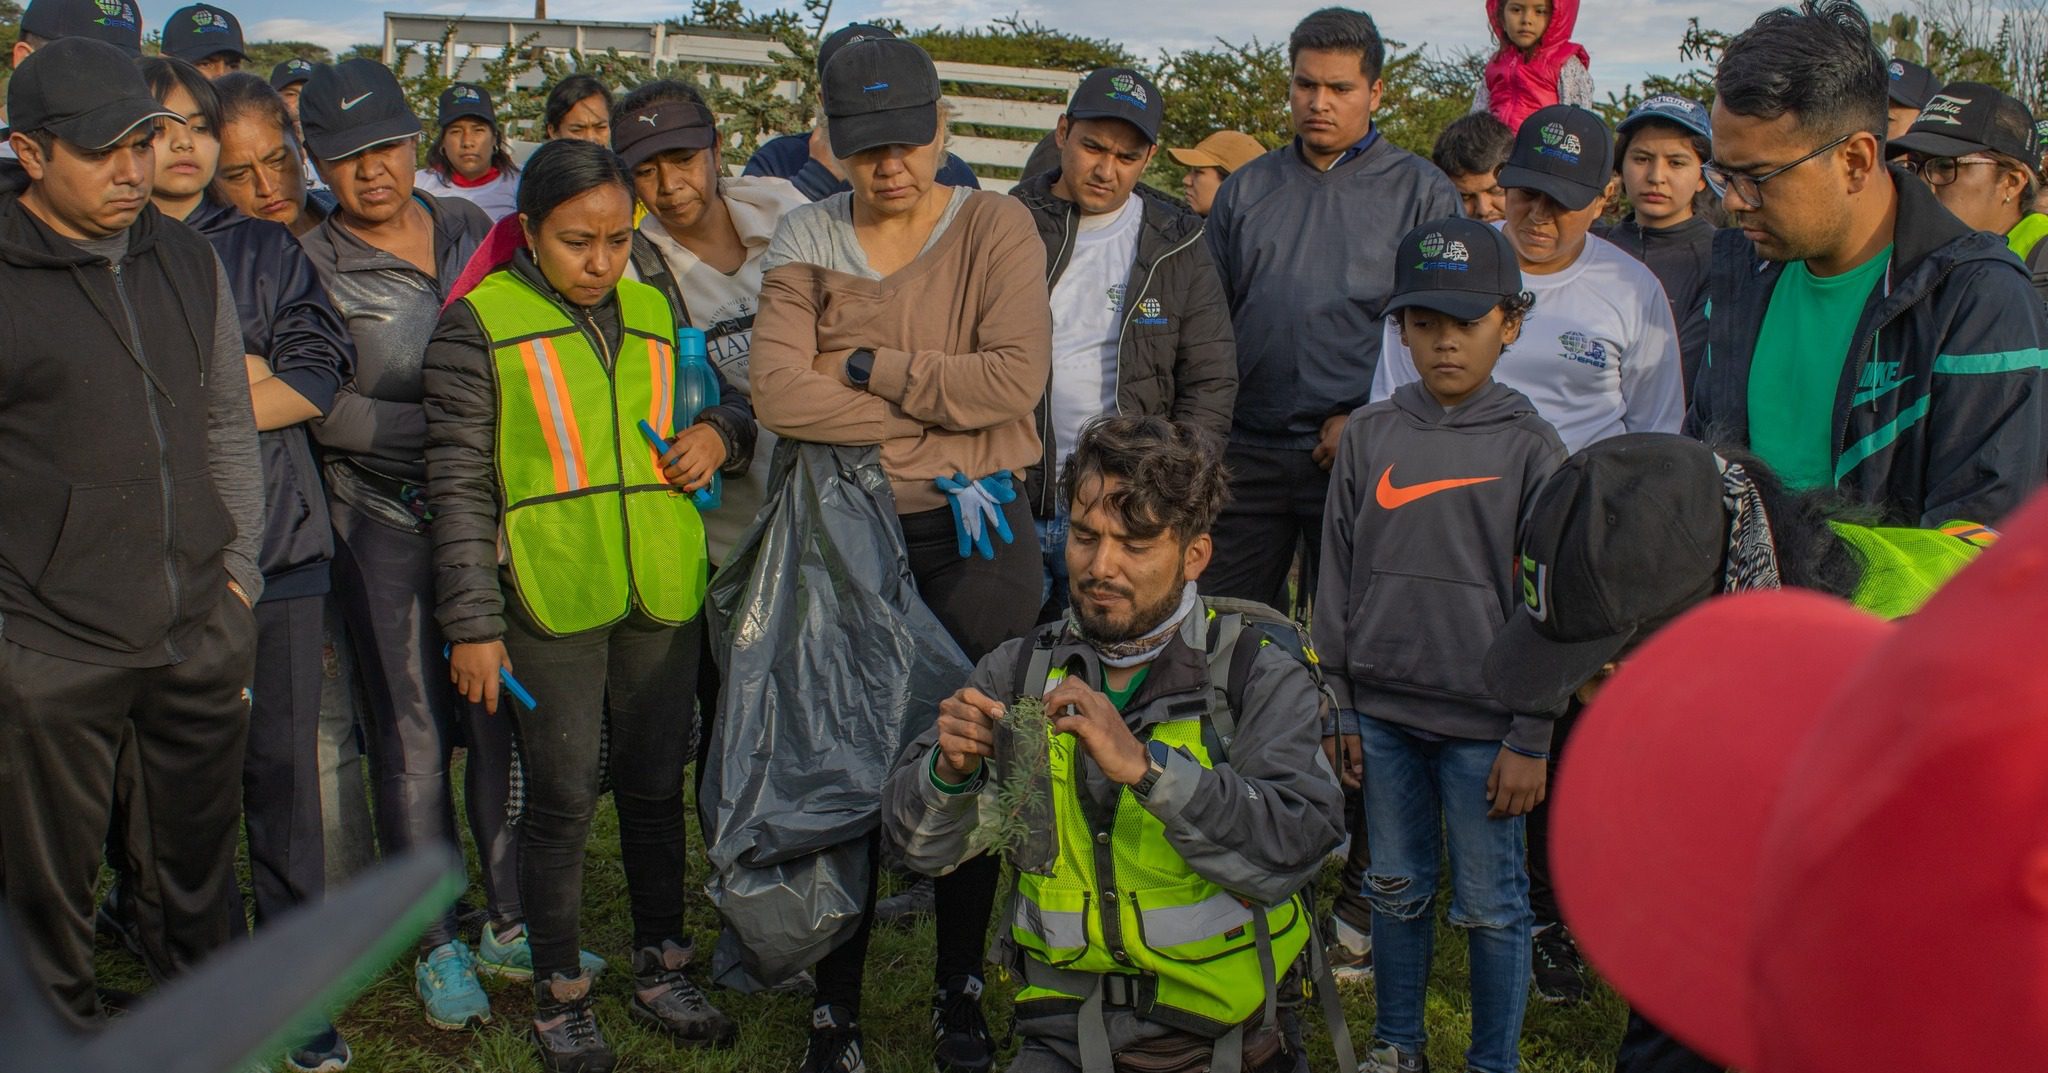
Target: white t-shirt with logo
(723, 306)
(498, 198)
(1087, 317)
(1598, 353)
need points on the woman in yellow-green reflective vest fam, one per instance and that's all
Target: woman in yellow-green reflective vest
(570, 558)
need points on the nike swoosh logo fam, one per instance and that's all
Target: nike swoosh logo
(1393, 498)
(1871, 394)
(346, 105)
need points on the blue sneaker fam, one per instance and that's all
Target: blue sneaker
(510, 957)
(446, 983)
(324, 1053)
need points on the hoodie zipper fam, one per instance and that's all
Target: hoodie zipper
(163, 458)
(1049, 451)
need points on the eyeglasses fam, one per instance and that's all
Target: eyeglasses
(1941, 170)
(1750, 187)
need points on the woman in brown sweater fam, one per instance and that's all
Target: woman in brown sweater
(914, 316)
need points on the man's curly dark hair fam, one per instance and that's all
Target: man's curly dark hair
(1170, 475)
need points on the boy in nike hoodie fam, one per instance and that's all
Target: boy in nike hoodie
(1417, 577)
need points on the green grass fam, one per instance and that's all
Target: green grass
(385, 1030)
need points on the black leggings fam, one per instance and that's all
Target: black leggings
(637, 678)
(982, 603)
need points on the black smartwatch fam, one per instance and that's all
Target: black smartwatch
(859, 366)
(1156, 752)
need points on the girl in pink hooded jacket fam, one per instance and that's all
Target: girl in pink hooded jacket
(1537, 64)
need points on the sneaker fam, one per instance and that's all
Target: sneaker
(665, 998)
(115, 919)
(507, 955)
(959, 1029)
(1350, 953)
(1387, 1058)
(1559, 970)
(324, 1053)
(565, 1027)
(835, 1043)
(445, 980)
(906, 909)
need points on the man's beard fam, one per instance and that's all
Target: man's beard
(1145, 618)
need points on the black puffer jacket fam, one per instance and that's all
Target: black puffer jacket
(1177, 360)
(461, 401)
(289, 322)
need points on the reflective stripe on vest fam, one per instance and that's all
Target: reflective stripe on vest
(591, 528)
(1150, 917)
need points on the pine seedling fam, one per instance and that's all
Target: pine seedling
(1019, 825)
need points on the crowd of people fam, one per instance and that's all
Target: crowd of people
(283, 376)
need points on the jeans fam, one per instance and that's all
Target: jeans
(640, 678)
(1416, 792)
(1052, 545)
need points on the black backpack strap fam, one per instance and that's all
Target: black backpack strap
(1034, 666)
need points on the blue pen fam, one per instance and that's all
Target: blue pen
(518, 691)
(654, 440)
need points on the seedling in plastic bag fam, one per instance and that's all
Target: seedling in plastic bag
(1019, 825)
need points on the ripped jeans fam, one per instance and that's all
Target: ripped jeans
(1417, 791)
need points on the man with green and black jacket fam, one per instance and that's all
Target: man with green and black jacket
(1139, 321)
(1860, 337)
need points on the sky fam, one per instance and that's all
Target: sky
(1627, 38)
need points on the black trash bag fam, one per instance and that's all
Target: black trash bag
(832, 665)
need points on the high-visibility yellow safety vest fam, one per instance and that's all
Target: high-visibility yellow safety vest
(592, 528)
(1123, 908)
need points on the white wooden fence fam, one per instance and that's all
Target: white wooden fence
(478, 39)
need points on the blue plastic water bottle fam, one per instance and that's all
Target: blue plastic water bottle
(696, 391)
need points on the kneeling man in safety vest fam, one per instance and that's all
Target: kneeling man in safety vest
(1188, 799)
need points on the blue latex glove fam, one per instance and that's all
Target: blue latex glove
(978, 510)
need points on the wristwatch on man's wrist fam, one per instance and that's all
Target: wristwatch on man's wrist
(859, 366)
(1156, 753)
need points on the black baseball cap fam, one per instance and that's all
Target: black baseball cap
(1968, 117)
(1629, 533)
(846, 35)
(466, 99)
(352, 106)
(1910, 84)
(202, 30)
(1455, 266)
(659, 126)
(880, 91)
(290, 73)
(1119, 93)
(116, 22)
(1564, 151)
(85, 91)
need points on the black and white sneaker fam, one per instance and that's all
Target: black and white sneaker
(835, 1043)
(962, 1043)
(1559, 971)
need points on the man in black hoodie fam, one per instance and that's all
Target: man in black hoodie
(1139, 322)
(129, 466)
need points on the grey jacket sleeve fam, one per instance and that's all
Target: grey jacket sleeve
(1333, 578)
(1259, 824)
(232, 457)
(924, 825)
(1205, 373)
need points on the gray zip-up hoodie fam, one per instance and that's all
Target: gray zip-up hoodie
(1418, 558)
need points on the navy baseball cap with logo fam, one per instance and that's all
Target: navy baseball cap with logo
(202, 30)
(290, 73)
(1456, 266)
(1970, 117)
(352, 106)
(465, 99)
(1910, 85)
(847, 35)
(1627, 534)
(660, 126)
(1684, 112)
(86, 92)
(880, 91)
(1564, 151)
(1119, 93)
(116, 22)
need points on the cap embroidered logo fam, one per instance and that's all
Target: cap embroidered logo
(649, 118)
(1443, 255)
(352, 102)
(1943, 109)
(1557, 143)
(876, 88)
(2041, 134)
(1126, 88)
(1897, 69)
(1536, 589)
(467, 93)
(1432, 244)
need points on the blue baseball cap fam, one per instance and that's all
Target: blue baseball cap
(1670, 108)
